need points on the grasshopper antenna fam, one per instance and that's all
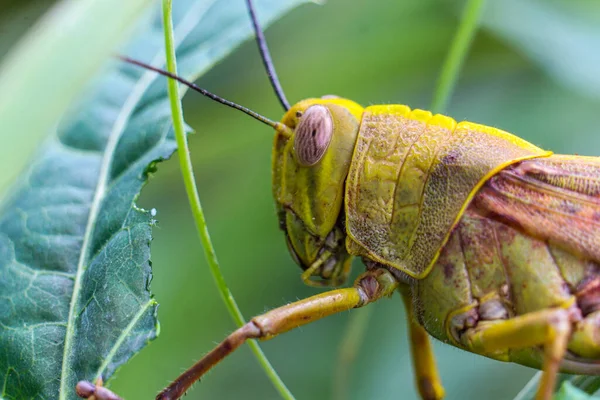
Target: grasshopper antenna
(279, 127)
(266, 57)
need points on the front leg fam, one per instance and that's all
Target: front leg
(369, 287)
(549, 328)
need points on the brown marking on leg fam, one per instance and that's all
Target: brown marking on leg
(426, 389)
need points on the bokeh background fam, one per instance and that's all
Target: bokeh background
(533, 70)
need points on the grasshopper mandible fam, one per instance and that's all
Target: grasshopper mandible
(492, 242)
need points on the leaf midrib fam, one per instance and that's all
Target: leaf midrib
(184, 28)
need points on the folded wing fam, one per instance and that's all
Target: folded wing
(556, 199)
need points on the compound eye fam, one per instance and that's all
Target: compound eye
(313, 135)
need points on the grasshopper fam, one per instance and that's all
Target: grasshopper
(492, 242)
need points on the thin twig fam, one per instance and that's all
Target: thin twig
(196, 207)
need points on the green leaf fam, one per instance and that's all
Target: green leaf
(557, 35)
(569, 392)
(572, 387)
(74, 248)
(49, 67)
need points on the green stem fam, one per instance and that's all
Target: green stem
(458, 51)
(348, 350)
(194, 199)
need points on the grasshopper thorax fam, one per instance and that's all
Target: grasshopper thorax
(310, 167)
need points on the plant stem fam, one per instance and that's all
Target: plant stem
(458, 51)
(348, 350)
(196, 207)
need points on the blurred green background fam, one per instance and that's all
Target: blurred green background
(387, 51)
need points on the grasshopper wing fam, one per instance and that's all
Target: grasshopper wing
(556, 199)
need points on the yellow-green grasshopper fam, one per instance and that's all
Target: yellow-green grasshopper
(492, 241)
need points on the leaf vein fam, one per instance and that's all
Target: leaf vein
(186, 26)
(113, 351)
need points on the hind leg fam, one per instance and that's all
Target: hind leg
(549, 328)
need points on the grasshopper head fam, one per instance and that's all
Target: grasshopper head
(309, 171)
